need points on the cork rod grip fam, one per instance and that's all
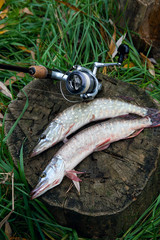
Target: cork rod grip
(38, 71)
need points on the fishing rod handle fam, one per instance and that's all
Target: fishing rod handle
(35, 71)
(38, 71)
(43, 72)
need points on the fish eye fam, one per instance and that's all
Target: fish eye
(43, 175)
(43, 136)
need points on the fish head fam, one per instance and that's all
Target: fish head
(50, 177)
(48, 138)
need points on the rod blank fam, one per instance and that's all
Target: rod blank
(14, 68)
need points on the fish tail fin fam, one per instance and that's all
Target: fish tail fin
(155, 119)
(151, 111)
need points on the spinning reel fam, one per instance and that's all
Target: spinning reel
(81, 81)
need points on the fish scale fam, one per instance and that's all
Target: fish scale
(88, 140)
(78, 115)
(95, 138)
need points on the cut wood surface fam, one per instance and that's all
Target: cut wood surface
(119, 183)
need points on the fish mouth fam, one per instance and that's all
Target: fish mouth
(41, 147)
(42, 187)
(47, 142)
(39, 189)
(34, 153)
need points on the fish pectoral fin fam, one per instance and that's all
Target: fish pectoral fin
(134, 134)
(74, 171)
(103, 145)
(77, 186)
(73, 175)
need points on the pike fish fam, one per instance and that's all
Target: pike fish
(95, 138)
(78, 115)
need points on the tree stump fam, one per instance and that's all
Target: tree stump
(119, 183)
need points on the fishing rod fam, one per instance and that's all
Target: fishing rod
(81, 81)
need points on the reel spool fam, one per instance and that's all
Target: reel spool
(83, 82)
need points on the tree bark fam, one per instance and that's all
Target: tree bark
(143, 17)
(119, 183)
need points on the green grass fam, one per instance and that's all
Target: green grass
(61, 37)
(147, 226)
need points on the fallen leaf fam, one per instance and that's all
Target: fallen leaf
(5, 219)
(1, 116)
(14, 78)
(1, 3)
(11, 174)
(130, 65)
(71, 6)
(28, 51)
(33, 55)
(24, 49)
(3, 56)
(153, 60)
(2, 26)
(4, 90)
(17, 238)
(3, 31)
(3, 13)
(26, 10)
(118, 43)
(102, 30)
(38, 41)
(112, 45)
(149, 64)
(103, 33)
(150, 87)
(151, 70)
(60, 30)
(8, 230)
(2, 105)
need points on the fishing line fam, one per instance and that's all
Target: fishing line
(62, 93)
(60, 84)
(58, 95)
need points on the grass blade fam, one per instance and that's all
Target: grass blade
(18, 119)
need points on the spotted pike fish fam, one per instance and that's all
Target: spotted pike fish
(81, 114)
(95, 138)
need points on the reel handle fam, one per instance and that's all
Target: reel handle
(122, 51)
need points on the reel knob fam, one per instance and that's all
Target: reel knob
(122, 50)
